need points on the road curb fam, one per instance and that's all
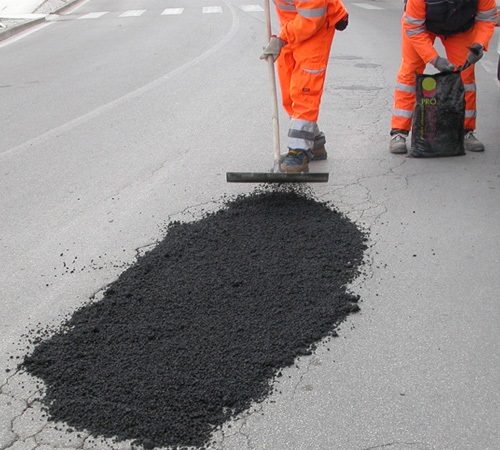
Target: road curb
(12, 31)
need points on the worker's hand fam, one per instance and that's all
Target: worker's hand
(341, 25)
(273, 48)
(442, 64)
(475, 53)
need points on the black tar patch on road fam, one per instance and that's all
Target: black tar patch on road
(196, 330)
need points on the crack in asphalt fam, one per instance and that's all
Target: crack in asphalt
(422, 445)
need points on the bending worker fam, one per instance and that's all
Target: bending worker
(465, 28)
(302, 49)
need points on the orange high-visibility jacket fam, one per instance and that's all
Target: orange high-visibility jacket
(414, 19)
(299, 20)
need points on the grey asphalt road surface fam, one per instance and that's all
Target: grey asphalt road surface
(117, 119)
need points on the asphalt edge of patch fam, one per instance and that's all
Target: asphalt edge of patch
(12, 31)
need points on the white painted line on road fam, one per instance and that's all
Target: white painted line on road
(172, 11)
(133, 13)
(367, 6)
(251, 8)
(212, 9)
(93, 15)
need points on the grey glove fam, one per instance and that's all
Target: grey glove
(442, 64)
(475, 54)
(273, 48)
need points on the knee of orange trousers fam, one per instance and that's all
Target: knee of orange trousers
(404, 101)
(306, 108)
(306, 91)
(299, 104)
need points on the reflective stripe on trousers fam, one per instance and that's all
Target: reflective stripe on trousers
(301, 134)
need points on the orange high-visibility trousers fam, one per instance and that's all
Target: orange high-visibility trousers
(404, 94)
(301, 71)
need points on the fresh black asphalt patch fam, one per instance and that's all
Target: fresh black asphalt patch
(197, 329)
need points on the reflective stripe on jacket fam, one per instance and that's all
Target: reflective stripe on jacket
(301, 19)
(421, 17)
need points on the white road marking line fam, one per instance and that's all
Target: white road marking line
(212, 9)
(367, 6)
(94, 15)
(133, 13)
(172, 11)
(251, 8)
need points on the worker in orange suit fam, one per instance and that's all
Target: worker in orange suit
(465, 28)
(301, 51)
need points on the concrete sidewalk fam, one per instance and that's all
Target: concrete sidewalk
(13, 8)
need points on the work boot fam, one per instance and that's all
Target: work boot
(318, 152)
(471, 143)
(295, 161)
(397, 143)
